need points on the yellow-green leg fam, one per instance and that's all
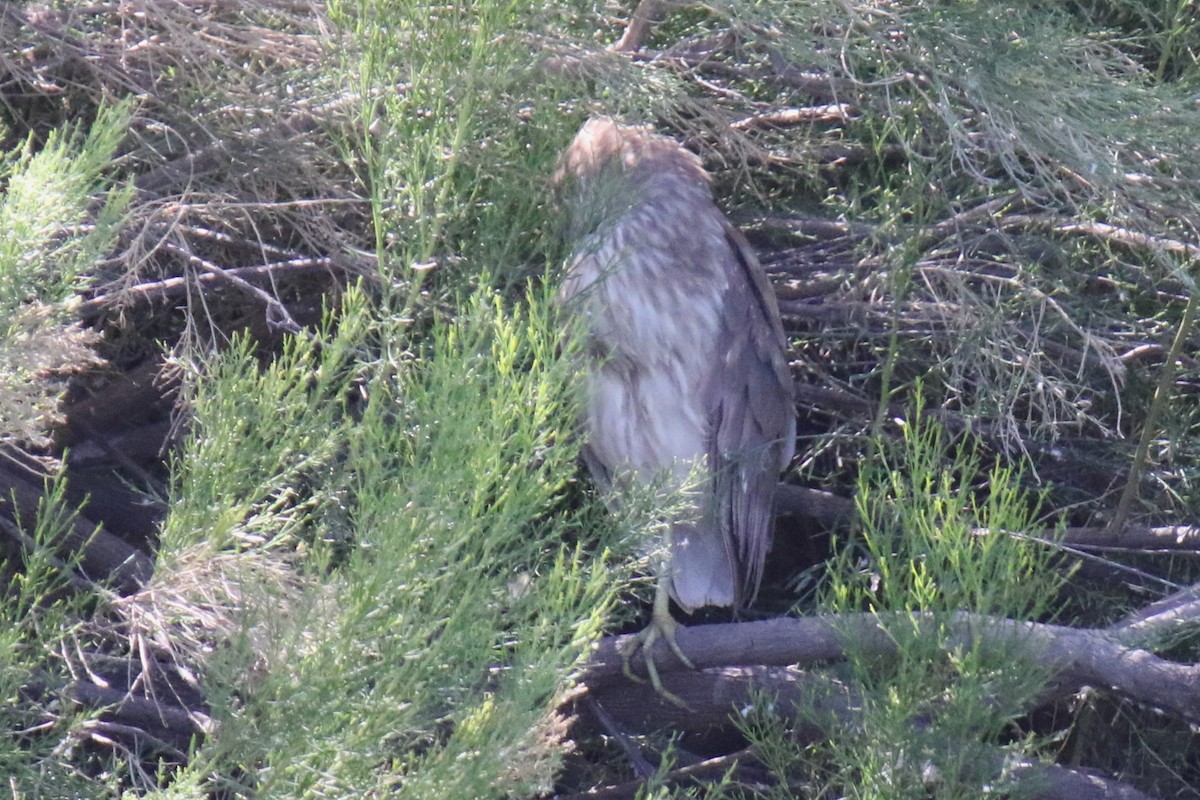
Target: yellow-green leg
(662, 626)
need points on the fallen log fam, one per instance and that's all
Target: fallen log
(99, 557)
(739, 666)
(1111, 659)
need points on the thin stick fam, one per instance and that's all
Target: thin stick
(1165, 379)
(177, 285)
(278, 317)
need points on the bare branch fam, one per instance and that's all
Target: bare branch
(278, 317)
(816, 705)
(177, 286)
(1077, 657)
(644, 17)
(788, 117)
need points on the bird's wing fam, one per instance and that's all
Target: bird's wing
(749, 398)
(770, 341)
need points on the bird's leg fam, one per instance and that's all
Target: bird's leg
(662, 626)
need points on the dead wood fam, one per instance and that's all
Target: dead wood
(15, 541)
(279, 319)
(1049, 781)
(814, 706)
(160, 718)
(176, 287)
(109, 401)
(142, 704)
(817, 228)
(804, 698)
(789, 117)
(833, 511)
(826, 508)
(103, 558)
(1055, 782)
(180, 173)
(1140, 538)
(740, 767)
(129, 448)
(108, 498)
(644, 17)
(819, 86)
(1112, 234)
(1109, 659)
(779, 661)
(1164, 620)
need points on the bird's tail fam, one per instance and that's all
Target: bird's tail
(702, 570)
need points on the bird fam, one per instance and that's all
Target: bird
(687, 371)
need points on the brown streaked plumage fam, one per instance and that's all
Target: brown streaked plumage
(690, 365)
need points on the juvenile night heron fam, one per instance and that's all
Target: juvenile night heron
(688, 370)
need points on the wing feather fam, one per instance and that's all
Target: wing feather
(752, 415)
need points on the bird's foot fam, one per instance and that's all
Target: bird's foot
(662, 626)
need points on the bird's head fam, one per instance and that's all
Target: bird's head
(611, 167)
(603, 144)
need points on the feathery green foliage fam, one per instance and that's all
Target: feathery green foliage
(425, 652)
(1163, 35)
(932, 545)
(46, 250)
(50, 241)
(456, 133)
(934, 716)
(933, 719)
(268, 435)
(441, 590)
(40, 614)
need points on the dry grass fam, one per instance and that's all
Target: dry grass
(231, 168)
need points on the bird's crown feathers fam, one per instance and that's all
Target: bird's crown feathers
(603, 144)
